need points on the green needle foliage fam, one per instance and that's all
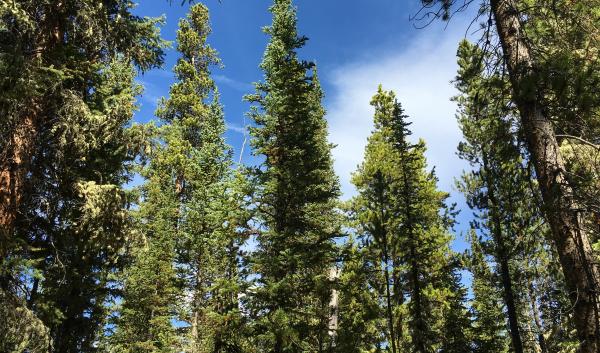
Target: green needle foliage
(67, 73)
(404, 223)
(209, 257)
(490, 333)
(507, 223)
(295, 200)
(187, 265)
(359, 313)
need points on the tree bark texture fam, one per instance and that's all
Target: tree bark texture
(562, 212)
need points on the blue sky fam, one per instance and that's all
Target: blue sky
(357, 45)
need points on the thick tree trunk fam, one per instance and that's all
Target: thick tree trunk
(572, 243)
(14, 167)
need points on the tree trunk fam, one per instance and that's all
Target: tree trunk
(535, 312)
(572, 243)
(509, 299)
(14, 167)
(17, 155)
(502, 258)
(385, 256)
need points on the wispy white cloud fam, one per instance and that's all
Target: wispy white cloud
(419, 72)
(235, 84)
(235, 127)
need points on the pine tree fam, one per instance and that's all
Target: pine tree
(517, 25)
(405, 221)
(296, 197)
(491, 146)
(500, 190)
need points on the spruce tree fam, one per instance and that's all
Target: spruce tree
(68, 94)
(405, 221)
(145, 321)
(190, 217)
(296, 197)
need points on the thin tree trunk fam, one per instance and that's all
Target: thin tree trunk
(386, 260)
(502, 259)
(389, 300)
(509, 298)
(535, 312)
(574, 250)
(398, 297)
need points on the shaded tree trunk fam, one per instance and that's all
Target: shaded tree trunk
(386, 262)
(502, 258)
(572, 243)
(535, 312)
(14, 167)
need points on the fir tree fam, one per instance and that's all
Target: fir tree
(197, 207)
(296, 198)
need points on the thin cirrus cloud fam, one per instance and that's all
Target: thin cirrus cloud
(420, 73)
(232, 83)
(236, 128)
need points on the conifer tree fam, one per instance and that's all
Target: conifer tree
(490, 334)
(500, 190)
(457, 331)
(194, 200)
(67, 71)
(295, 200)
(359, 312)
(145, 321)
(492, 147)
(528, 42)
(404, 218)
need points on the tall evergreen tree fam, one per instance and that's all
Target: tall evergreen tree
(404, 218)
(359, 312)
(499, 190)
(489, 327)
(190, 216)
(457, 331)
(493, 187)
(296, 198)
(145, 321)
(67, 70)
(518, 26)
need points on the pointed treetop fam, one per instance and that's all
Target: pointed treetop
(390, 118)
